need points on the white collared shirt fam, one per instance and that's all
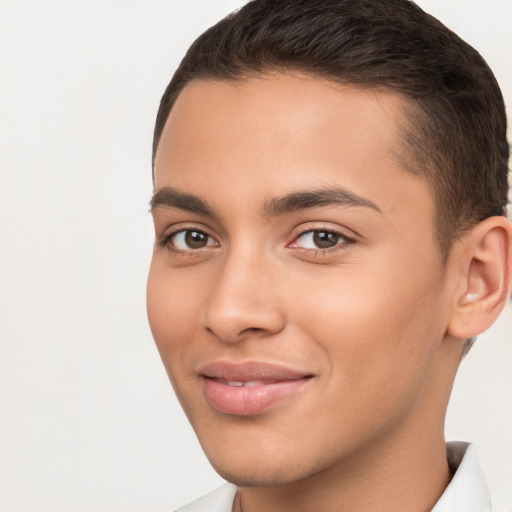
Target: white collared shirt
(467, 491)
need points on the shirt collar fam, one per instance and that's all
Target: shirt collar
(467, 491)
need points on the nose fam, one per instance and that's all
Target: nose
(243, 302)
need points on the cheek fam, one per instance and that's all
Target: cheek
(173, 317)
(378, 326)
(172, 313)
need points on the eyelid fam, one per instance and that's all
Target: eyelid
(345, 241)
(307, 227)
(170, 233)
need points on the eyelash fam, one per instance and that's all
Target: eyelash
(166, 242)
(342, 244)
(345, 241)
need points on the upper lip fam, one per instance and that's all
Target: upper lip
(250, 371)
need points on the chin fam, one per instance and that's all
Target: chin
(258, 475)
(268, 466)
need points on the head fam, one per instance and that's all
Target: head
(330, 190)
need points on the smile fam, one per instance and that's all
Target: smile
(250, 383)
(249, 388)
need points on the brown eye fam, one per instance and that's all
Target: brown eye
(196, 239)
(325, 239)
(191, 239)
(320, 239)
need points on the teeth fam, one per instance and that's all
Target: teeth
(249, 383)
(235, 383)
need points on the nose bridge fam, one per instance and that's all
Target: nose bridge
(243, 297)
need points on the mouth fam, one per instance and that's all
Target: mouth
(246, 389)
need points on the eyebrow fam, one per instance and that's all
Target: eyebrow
(172, 198)
(303, 200)
(273, 207)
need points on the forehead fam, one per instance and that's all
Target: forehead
(283, 131)
(287, 106)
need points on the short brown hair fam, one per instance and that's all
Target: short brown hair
(455, 133)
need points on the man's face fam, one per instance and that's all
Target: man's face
(296, 294)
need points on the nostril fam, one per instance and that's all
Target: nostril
(252, 330)
(228, 335)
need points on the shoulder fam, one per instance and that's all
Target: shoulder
(220, 500)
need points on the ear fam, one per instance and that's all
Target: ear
(484, 277)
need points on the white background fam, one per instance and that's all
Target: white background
(88, 421)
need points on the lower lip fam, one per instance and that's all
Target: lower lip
(249, 400)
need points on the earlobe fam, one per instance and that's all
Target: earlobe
(485, 277)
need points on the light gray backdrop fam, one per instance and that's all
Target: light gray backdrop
(88, 422)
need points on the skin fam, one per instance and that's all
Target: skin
(369, 318)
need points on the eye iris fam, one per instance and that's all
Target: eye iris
(325, 239)
(196, 239)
